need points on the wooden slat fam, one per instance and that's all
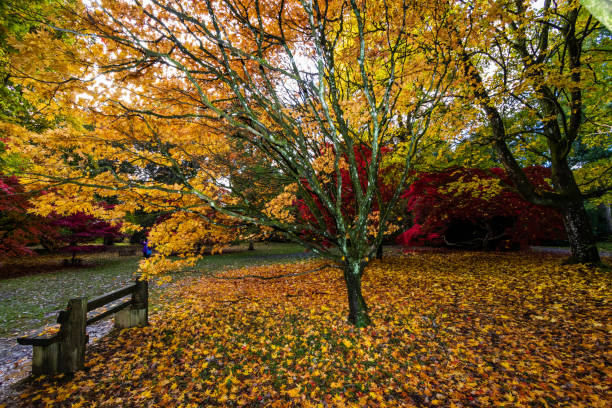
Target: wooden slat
(109, 297)
(39, 341)
(110, 311)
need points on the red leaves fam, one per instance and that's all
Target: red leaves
(363, 156)
(80, 228)
(18, 229)
(468, 205)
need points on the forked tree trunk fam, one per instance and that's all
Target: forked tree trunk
(358, 310)
(579, 233)
(569, 200)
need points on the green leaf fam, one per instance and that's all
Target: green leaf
(600, 9)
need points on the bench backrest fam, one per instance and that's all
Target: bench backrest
(72, 337)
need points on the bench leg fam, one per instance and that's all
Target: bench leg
(74, 337)
(45, 359)
(129, 317)
(138, 313)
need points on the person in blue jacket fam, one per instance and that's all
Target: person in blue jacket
(146, 250)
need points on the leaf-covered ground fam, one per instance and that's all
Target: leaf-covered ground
(451, 329)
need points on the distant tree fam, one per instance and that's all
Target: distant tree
(536, 73)
(327, 175)
(18, 228)
(81, 228)
(478, 209)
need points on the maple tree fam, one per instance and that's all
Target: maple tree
(478, 208)
(531, 71)
(80, 228)
(17, 19)
(18, 228)
(300, 83)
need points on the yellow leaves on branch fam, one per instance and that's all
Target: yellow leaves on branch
(189, 235)
(282, 206)
(374, 225)
(324, 164)
(451, 329)
(485, 189)
(43, 61)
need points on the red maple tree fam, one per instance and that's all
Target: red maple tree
(462, 218)
(363, 156)
(78, 229)
(18, 228)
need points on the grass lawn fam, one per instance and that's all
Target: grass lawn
(451, 329)
(605, 246)
(29, 302)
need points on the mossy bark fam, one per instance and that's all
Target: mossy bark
(358, 310)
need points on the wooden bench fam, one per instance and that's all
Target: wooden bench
(64, 350)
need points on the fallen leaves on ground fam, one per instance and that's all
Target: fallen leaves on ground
(451, 329)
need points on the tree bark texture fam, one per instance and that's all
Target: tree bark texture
(579, 233)
(358, 310)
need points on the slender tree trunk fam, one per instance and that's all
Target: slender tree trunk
(579, 233)
(606, 214)
(379, 252)
(251, 246)
(358, 310)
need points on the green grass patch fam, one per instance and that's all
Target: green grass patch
(605, 246)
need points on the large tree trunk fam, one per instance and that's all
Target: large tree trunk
(358, 310)
(568, 198)
(579, 233)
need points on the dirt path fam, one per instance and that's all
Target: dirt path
(557, 250)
